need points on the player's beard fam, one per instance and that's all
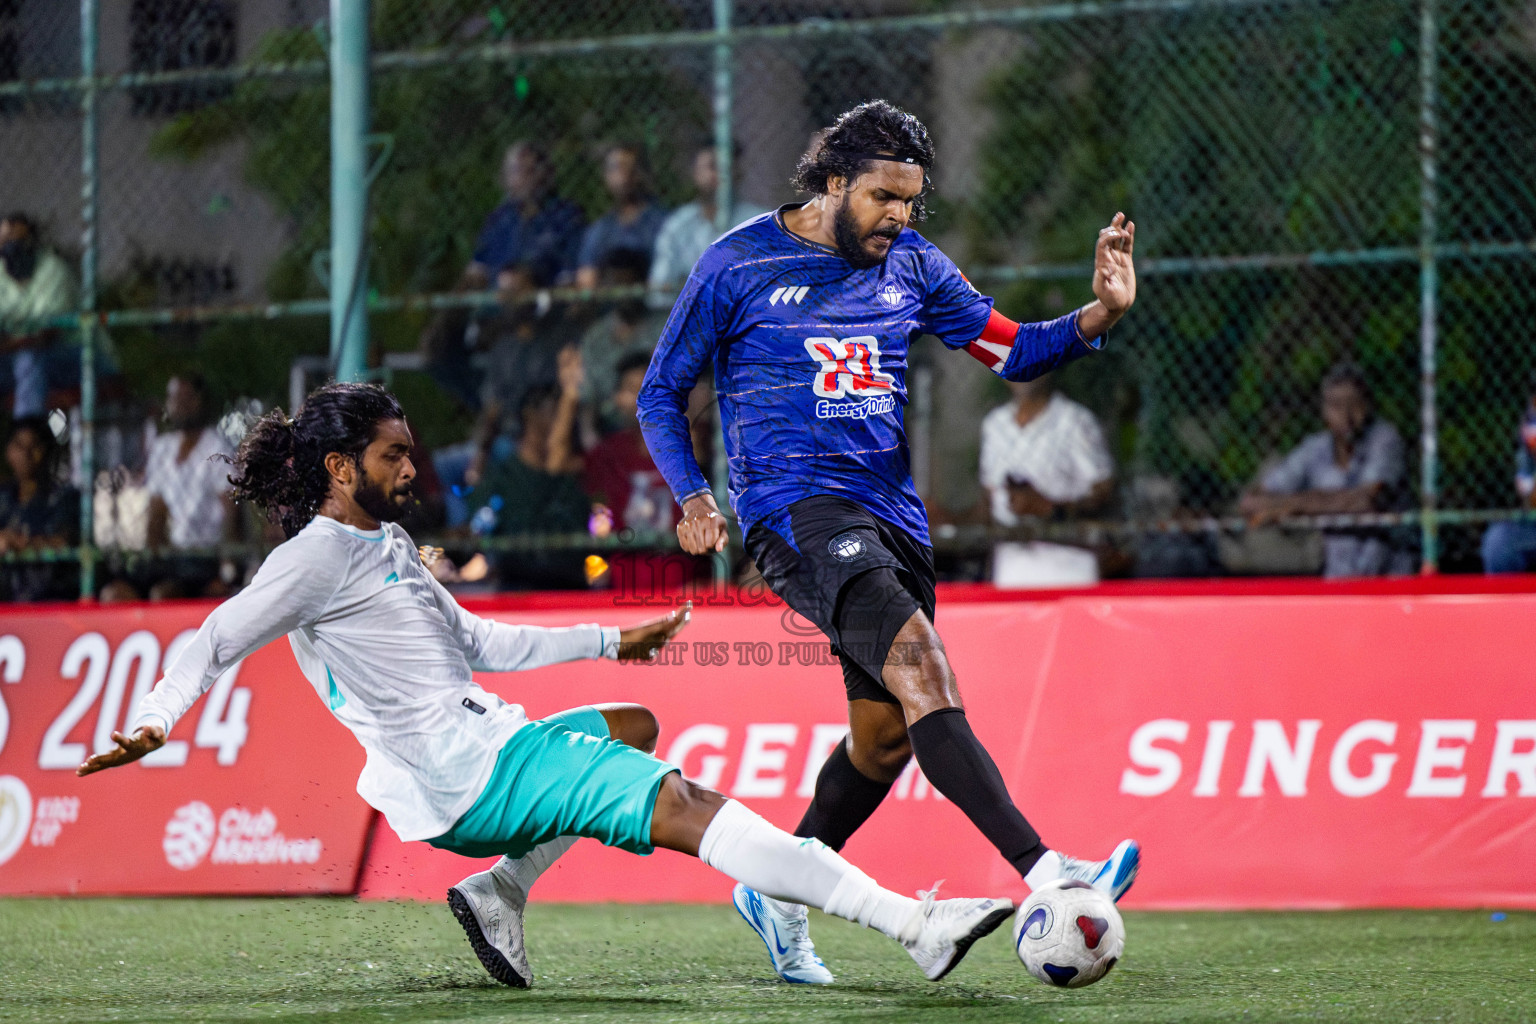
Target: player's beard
(376, 498)
(850, 243)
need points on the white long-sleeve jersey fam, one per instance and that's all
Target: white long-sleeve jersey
(391, 653)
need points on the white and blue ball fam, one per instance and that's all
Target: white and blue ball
(1068, 934)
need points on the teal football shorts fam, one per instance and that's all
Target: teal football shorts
(561, 776)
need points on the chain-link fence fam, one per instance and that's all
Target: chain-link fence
(1314, 183)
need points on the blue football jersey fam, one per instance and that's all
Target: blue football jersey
(810, 367)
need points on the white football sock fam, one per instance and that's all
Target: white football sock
(786, 909)
(1046, 869)
(526, 870)
(740, 843)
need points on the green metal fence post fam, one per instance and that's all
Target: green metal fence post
(88, 244)
(349, 188)
(725, 199)
(1429, 128)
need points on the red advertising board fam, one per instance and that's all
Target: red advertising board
(1273, 746)
(1314, 749)
(253, 794)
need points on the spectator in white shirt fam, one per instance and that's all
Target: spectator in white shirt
(1358, 465)
(189, 502)
(1043, 456)
(690, 229)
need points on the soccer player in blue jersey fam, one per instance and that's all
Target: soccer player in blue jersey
(806, 316)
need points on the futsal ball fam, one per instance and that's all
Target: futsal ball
(1068, 934)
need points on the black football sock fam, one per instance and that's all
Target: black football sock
(845, 798)
(958, 766)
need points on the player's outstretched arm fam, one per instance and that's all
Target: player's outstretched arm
(1025, 351)
(1114, 278)
(146, 739)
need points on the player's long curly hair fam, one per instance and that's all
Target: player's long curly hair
(873, 127)
(280, 466)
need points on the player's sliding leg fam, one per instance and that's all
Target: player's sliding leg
(490, 904)
(852, 783)
(917, 673)
(736, 841)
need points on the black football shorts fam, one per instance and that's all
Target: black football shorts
(856, 576)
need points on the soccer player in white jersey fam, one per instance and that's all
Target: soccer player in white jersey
(391, 654)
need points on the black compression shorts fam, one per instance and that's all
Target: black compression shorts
(857, 577)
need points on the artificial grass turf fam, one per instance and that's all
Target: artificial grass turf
(337, 960)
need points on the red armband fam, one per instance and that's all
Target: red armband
(992, 348)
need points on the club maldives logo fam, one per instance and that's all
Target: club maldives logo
(15, 815)
(238, 836)
(188, 835)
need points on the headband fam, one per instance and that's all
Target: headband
(861, 155)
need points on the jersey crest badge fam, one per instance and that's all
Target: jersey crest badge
(891, 295)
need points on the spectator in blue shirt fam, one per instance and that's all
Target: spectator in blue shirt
(1511, 546)
(633, 222)
(37, 512)
(528, 242)
(532, 229)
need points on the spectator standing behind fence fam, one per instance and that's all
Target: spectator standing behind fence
(690, 229)
(190, 508)
(35, 283)
(1511, 546)
(633, 221)
(533, 228)
(538, 490)
(1043, 456)
(1355, 466)
(37, 513)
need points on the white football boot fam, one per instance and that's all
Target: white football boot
(1113, 877)
(787, 936)
(944, 930)
(490, 908)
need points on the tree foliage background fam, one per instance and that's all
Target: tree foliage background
(1281, 131)
(448, 127)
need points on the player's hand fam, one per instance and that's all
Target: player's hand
(640, 643)
(146, 739)
(703, 529)
(1114, 274)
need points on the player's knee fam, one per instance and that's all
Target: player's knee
(683, 810)
(632, 724)
(885, 763)
(881, 755)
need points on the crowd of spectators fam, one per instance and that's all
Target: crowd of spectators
(556, 448)
(552, 383)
